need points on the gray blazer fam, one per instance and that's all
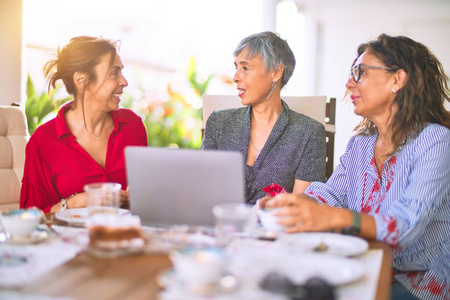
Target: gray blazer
(295, 149)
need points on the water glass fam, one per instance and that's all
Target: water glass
(232, 219)
(103, 197)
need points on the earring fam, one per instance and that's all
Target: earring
(271, 89)
(394, 91)
(273, 85)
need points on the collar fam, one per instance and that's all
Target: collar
(62, 128)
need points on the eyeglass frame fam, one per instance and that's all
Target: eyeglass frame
(358, 66)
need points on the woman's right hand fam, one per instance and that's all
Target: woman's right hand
(124, 199)
(261, 203)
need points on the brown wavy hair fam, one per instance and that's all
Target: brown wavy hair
(82, 54)
(422, 99)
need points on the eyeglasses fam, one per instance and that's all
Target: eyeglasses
(358, 70)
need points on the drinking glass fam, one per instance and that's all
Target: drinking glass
(103, 197)
(232, 219)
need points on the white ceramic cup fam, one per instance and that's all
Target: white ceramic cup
(20, 223)
(103, 197)
(268, 220)
(197, 267)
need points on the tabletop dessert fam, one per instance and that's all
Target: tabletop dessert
(112, 232)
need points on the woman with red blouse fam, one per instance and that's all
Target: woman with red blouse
(85, 142)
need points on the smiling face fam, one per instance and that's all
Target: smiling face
(253, 82)
(106, 90)
(372, 96)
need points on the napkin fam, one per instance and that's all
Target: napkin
(274, 189)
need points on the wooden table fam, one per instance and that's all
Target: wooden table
(385, 278)
(135, 277)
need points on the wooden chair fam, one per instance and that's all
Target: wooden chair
(316, 107)
(13, 139)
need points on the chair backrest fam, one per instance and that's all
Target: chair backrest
(13, 139)
(316, 107)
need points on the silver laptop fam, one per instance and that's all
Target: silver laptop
(181, 186)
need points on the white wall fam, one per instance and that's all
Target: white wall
(11, 82)
(343, 25)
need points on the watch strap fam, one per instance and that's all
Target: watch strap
(64, 204)
(355, 228)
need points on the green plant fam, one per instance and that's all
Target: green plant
(174, 119)
(199, 86)
(38, 107)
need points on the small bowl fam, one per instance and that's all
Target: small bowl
(269, 221)
(20, 223)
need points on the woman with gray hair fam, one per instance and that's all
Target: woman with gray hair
(279, 145)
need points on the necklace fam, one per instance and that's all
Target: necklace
(258, 151)
(97, 137)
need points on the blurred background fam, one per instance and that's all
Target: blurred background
(174, 51)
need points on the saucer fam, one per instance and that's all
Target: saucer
(226, 284)
(38, 236)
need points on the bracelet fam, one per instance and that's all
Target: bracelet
(64, 202)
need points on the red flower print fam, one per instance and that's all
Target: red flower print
(274, 189)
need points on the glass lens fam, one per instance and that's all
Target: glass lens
(356, 72)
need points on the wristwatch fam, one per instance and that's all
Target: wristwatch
(355, 228)
(64, 204)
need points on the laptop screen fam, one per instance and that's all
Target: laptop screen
(181, 186)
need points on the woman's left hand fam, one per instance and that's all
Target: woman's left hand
(299, 212)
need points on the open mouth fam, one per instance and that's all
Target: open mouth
(241, 92)
(117, 96)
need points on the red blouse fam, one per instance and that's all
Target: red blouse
(56, 166)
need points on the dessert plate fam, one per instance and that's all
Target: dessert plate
(299, 267)
(331, 243)
(333, 269)
(78, 216)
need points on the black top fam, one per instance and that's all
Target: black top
(295, 149)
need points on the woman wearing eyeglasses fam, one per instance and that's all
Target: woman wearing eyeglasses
(393, 180)
(278, 145)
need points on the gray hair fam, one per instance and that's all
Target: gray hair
(272, 49)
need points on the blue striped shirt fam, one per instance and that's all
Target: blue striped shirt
(409, 202)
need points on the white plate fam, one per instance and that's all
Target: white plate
(78, 216)
(299, 267)
(335, 270)
(335, 243)
(114, 253)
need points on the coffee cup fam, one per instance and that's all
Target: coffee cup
(20, 223)
(198, 268)
(269, 221)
